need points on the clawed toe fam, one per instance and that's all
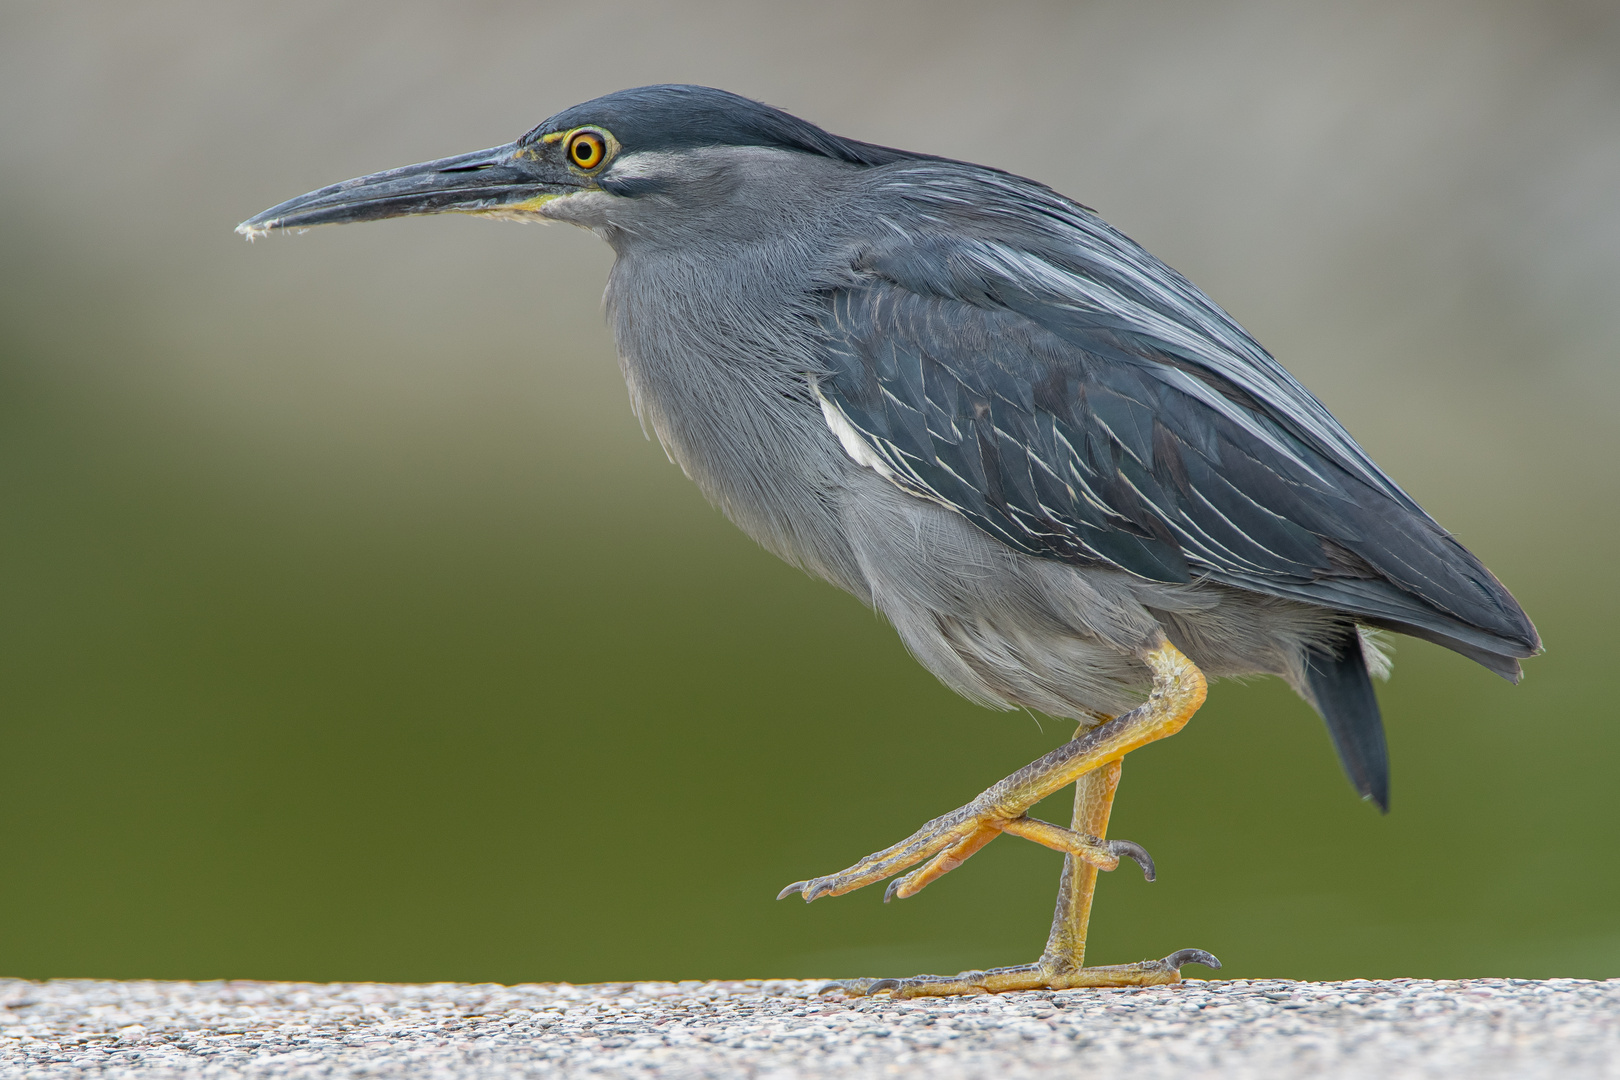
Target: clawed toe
(1048, 973)
(1182, 957)
(856, 987)
(813, 889)
(1136, 853)
(947, 842)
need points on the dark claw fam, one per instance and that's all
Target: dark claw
(850, 987)
(883, 984)
(1137, 853)
(894, 887)
(791, 889)
(1181, 957)
(814, 891)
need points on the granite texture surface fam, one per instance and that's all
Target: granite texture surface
(781, 1029)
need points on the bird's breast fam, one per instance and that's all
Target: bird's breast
(716, 361)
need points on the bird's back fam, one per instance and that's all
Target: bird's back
(1013, 357)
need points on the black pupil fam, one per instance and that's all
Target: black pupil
(584, 151)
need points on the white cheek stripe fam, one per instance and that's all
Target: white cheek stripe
(644, 164)
(856, 447)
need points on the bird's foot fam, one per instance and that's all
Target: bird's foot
(1046, 973)
(948, 841)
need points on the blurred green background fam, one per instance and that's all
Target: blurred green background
(349, 628)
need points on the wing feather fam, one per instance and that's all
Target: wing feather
(1077, 438)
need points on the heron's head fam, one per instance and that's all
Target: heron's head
(657, 153)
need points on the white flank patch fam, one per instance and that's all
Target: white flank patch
(858, 449)
(1375, 649)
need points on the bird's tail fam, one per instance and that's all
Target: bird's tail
(1343, 694)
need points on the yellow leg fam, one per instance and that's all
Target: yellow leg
(1178, 691)
(1093, 803)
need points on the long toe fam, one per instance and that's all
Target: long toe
(949, 841)
(955, 835)
(1045, 974)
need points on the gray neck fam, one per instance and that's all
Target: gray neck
(712, 301)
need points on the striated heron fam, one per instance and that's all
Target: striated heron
(1069, 480)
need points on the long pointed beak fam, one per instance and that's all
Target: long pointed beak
(510, 178)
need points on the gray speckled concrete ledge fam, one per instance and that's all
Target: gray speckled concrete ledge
(778, 1029)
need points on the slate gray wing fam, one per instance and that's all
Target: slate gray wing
(1092, 446)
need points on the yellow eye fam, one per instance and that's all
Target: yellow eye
(587, 148)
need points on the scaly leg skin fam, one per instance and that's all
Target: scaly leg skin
(1062, 964)
(1178, 691)
(1092, 760)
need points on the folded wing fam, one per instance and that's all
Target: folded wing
(1079, 401)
